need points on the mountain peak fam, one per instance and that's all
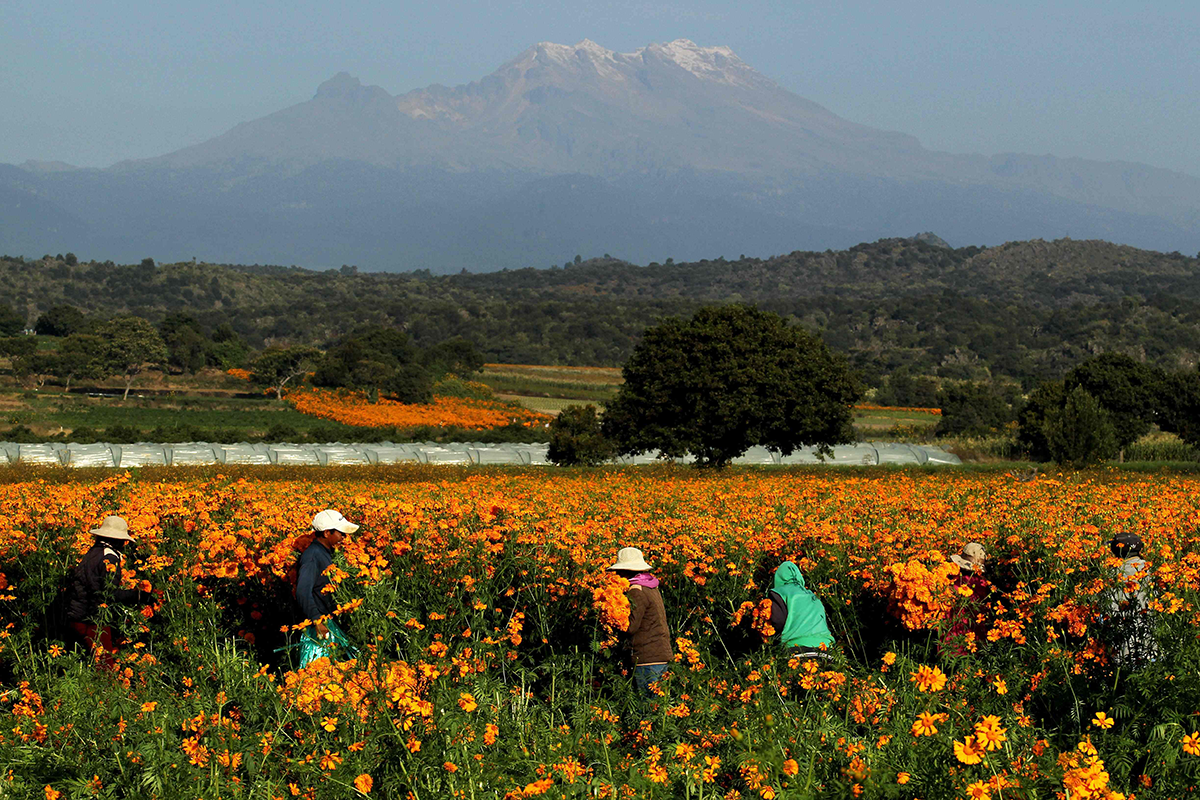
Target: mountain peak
(345, 86)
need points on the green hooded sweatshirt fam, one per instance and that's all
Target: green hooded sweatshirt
(805, 625)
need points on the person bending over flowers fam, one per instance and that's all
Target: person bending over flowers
(798, 615)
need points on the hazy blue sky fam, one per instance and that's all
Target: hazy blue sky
(96, 82)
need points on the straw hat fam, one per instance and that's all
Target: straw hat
(630, 558)
(113, 527)
(971, 557)
(332, 520)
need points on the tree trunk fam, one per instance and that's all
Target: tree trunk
(128, 383)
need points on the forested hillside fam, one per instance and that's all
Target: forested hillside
(1024, 310)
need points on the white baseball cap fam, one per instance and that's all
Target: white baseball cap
(332, 520)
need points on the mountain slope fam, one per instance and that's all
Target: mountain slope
(672, 150)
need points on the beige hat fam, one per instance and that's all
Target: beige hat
(113, 527)
(332, 520)
(971, 557)
(630, 558)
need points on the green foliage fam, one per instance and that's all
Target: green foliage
(187, 346)
(1181, 405)
(729, 378)
(973, 409)
(130, 343)
(456, 356)
(454, 386)
(903, 388)
(61, 320)
(1080, 433)
(378, 360)
(17, 346)
(276, 367)
(576, 438)
(1128, 390)
(11, 322)
(1048, 398)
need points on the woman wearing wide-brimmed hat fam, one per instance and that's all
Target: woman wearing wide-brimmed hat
(648, 636)
(964, 630)
(97, 582)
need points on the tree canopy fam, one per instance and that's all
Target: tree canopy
(729, 378)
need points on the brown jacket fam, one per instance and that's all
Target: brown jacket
(649, 637)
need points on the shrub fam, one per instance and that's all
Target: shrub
(576, 438)
(1080, 433)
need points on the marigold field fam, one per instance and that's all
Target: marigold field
(485, 625)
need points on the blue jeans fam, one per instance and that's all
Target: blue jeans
(645, 675)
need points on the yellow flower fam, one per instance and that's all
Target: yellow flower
(989, 734)
(52, 793)
(902, 778)
(329, 723)
(1102, 720)
(1191, 744)
(1000, 685)
(979, 791)
(926, 724)
(467, 703)
(929, 679)
(969, 751)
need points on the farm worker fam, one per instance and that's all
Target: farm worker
(647, 635)
(96, 583)
(971, 590)
(1128, 620)
(330, 528)
(798, 614)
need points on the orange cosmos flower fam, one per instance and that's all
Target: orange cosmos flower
(1102, 720)
(929, 679)
(969, 751)
(1191, 744)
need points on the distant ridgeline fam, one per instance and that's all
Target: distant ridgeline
(1024, 310)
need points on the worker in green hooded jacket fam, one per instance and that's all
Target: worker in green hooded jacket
(798, 615)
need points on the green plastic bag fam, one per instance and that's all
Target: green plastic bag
(336, 646)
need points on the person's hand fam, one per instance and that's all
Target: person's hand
(322, 629)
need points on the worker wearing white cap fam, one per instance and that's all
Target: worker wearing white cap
(330, 528)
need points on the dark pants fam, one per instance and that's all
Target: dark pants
(98, 641)
(646, 675)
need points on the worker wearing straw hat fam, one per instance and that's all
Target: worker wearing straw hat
(96, 584)
(964, 631)
(648, 636)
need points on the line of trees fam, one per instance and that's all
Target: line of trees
(376, 359)
(1094, 413)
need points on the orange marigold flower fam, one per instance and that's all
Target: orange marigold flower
(1191, 744)
(52, 793)
(467, 702)
(364, 783)
(450, 766)
(902, 778)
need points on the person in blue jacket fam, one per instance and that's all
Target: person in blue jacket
(330, 528)
(798, 615)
